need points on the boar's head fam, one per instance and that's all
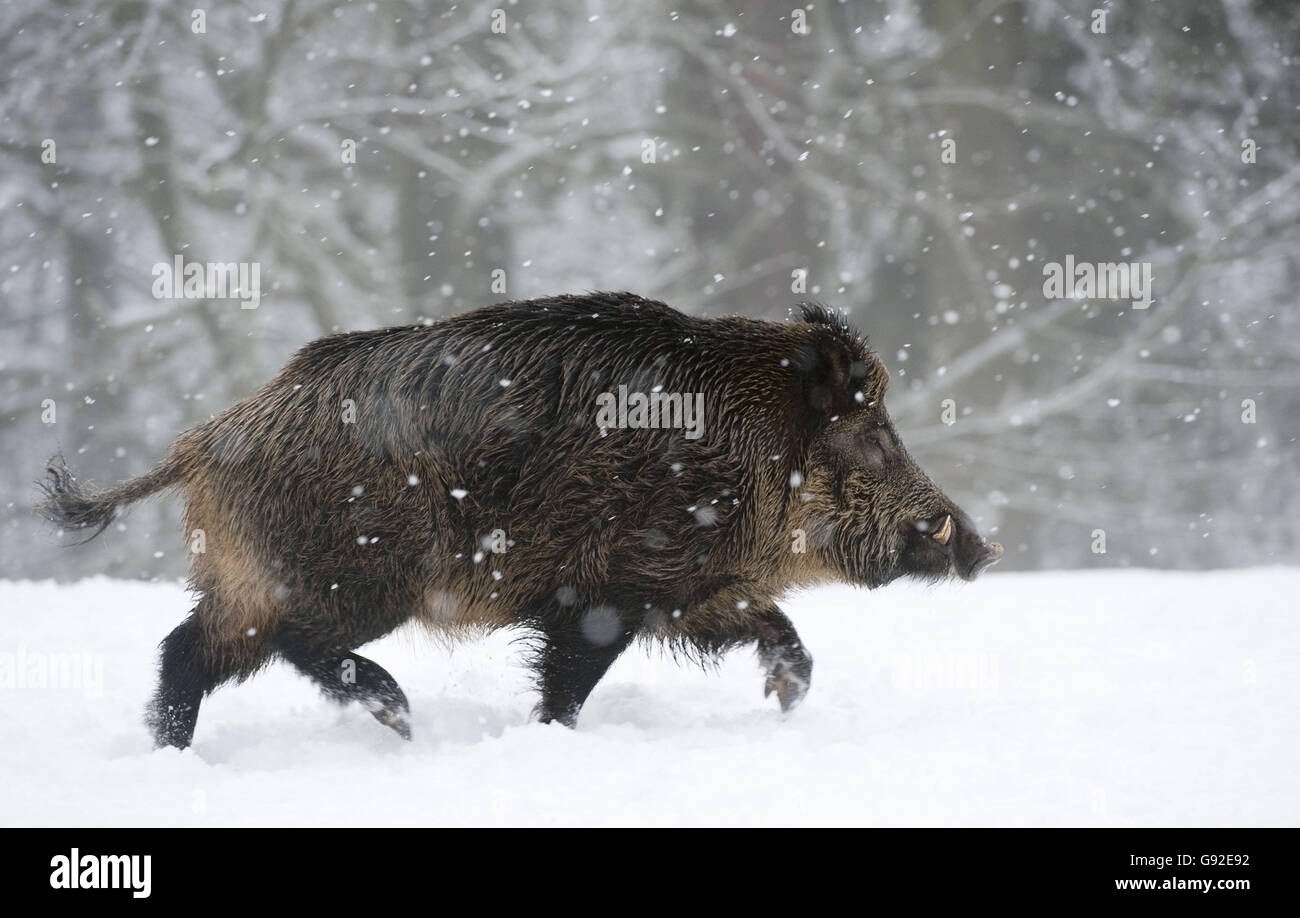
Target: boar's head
(872, 514)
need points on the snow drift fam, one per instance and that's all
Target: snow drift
(1129, 698)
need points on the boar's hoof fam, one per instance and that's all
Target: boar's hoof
(790, 679)
(396, 719)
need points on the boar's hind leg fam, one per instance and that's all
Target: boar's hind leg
(345, 676)
(192, 667)
(572, 657)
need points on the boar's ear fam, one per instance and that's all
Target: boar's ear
(832, 365)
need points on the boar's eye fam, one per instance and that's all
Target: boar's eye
(876, 445)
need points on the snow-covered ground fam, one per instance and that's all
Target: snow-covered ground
(1105, 698)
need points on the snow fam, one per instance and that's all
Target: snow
(1129, 698)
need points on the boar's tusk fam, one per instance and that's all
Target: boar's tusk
(944, 532)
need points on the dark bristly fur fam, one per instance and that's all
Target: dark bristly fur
(322, 535)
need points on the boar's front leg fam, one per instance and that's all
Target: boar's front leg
(783, 656)
(573, 654)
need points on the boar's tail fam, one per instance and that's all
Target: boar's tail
(74, 506)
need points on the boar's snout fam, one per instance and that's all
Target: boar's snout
(974, 554)
(947, 543)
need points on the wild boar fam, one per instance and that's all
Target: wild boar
(593, 469)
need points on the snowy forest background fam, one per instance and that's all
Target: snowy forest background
(777, 151)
